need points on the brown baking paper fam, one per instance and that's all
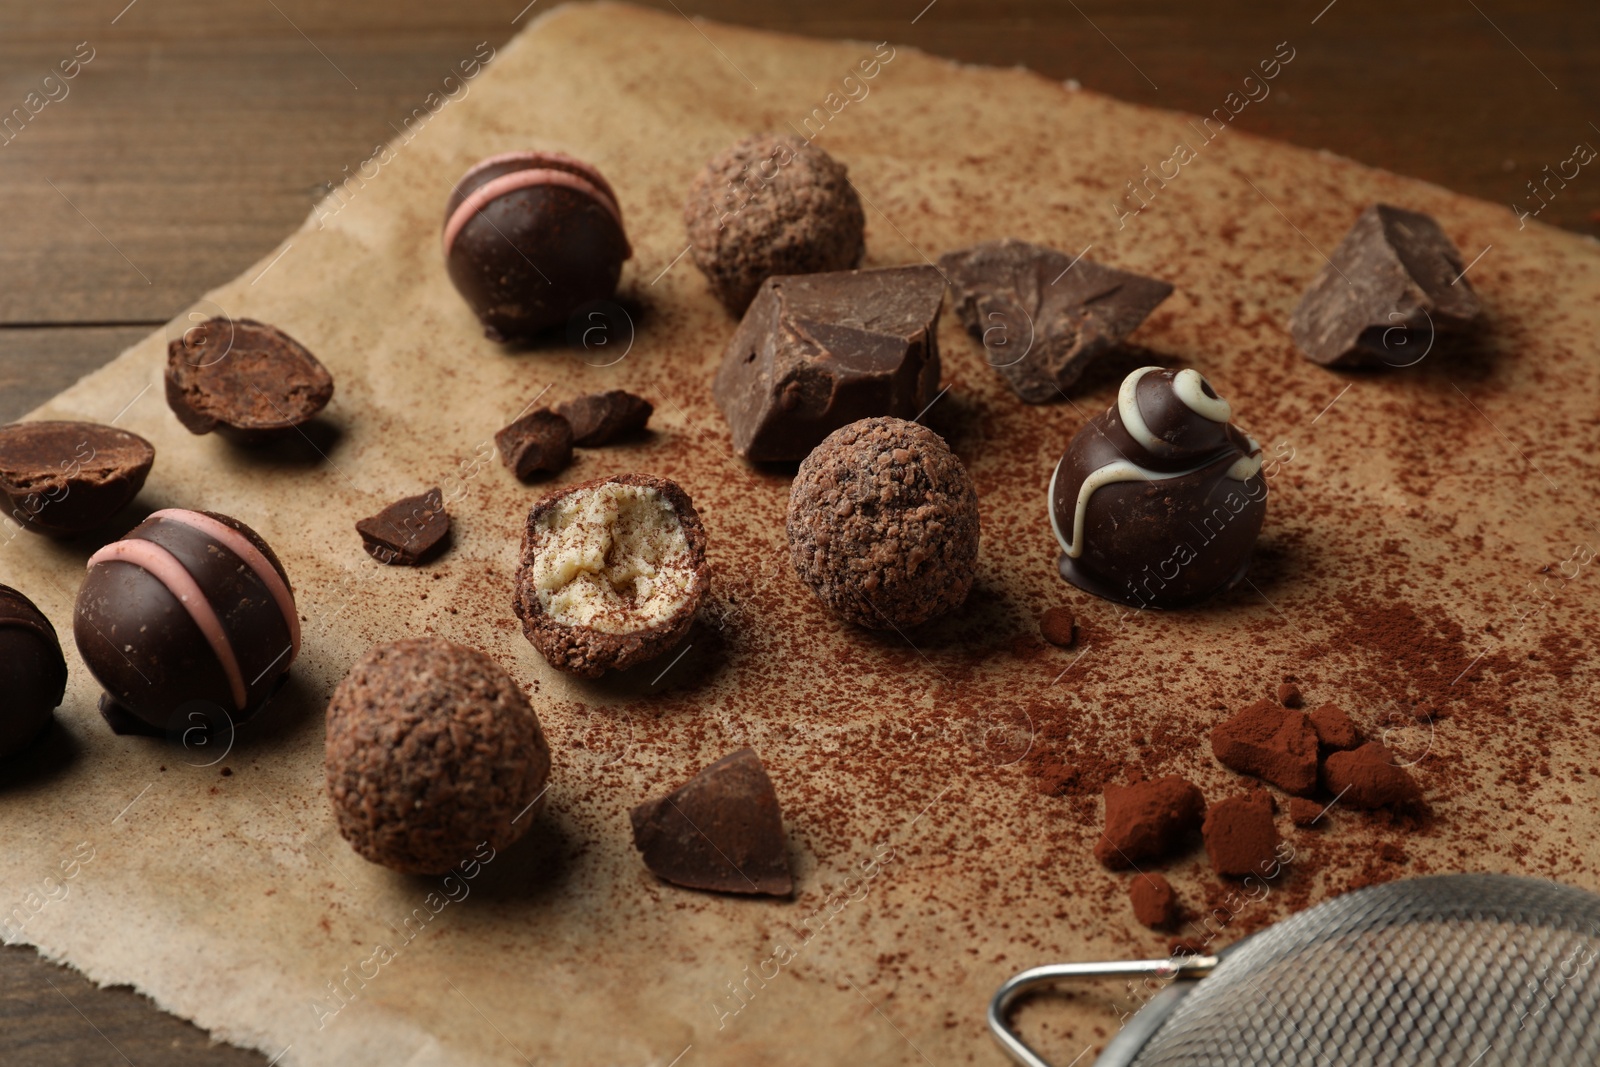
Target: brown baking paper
(932, 855)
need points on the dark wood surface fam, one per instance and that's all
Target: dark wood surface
(201, 134)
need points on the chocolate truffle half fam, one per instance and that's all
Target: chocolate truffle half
(774, 203)
(432, 750)
(883, 524)
(612, 573)
(1157, 502)
(33, 673)
(67, 478)
(246, 380)
(529, 237)
(190, 607)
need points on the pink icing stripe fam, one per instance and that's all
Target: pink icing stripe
(484, 194)
(542, 161)
(165, 568)
(241, 546)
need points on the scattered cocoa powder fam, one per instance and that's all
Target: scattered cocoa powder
(1270, 742)
(1146, 820)
(1154, 902)
(1335, 729)
(1240, 834)
(1370, 778)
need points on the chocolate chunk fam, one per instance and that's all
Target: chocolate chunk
(1369, 778)
(67, 478)
(32, 671)
(540, 441)
(1042, 317)
(721, 830)
(407, 532)
(1147, 820)
(1055, 626)
(1289, 695)
(1241, 837)
(1270, 742)
(819, 351)
(1393, 284)
(244, 379)
(600, 418)
(1303, 812)
(1154, 902)
(1334, 728)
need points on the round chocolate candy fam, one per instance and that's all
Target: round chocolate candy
(190, 610)
(529, 237)
(1158, 501)
(32, 672)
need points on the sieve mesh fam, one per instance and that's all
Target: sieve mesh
(1476, 969)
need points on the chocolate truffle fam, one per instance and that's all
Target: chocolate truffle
(1270, 742)
(883, 524)
(1394, 283)
(67, 478)
(530, 237)
(1336, 731)
(1148, 820)
(1241, 837)
(33, 672)
(1043, 316)
(408, 532)
(817, 352)
(1157, 502)
(1370, 777)
(612, 573)
(539, 442)
(190, 607)
(772, 204)
(600, 418)
(721, 830)
(1056, 626)
(432, 750)
(1154, 902)
(248, 381)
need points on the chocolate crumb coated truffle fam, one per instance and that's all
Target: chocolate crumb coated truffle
(539, 442)
(246, 380)
(529, 237)
(1241, 838)
(67, 478)
(721, 830)
(190, 607)
(1154, 902)
(771, 204)
(612, 573)
(432, 750)
(33, 673)
(1157, 502)
(883, 524)
(600, 418)
(1147, 820)
(407, 532)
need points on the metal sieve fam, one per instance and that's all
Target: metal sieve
(1458, 969)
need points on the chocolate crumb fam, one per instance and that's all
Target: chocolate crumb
(1146, 820)
(1335, 730)
(1370, 778)
(600, 418)
(408, 532)
(1289, 695)
(1055, 626)
(1303, 812)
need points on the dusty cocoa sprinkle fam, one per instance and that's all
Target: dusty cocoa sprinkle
(1055, 626)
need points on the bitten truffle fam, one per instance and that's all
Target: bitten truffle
(1147, 820)
(771, 204)
(67, 478)
(529, 238)
(33, 673)
(248, 381)
(432, 749)
(883, 524)
(612, 573)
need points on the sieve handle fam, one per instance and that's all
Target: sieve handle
(1000, 1006)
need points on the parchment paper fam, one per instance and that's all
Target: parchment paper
(930, 864)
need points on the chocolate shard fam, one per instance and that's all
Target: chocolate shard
(540, 441)
(1042, 316)
(1394, 283)
(600, 418)
(815, 352)
(721, 830)
(407, 532)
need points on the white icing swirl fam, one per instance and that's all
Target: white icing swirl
(1132, 419)
(1189, 387)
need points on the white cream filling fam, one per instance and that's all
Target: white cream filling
(613, 558)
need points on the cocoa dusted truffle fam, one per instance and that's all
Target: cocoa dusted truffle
(432, 749)
(612, 573)
(529, 238)
(33, 673)
(248, 381)
(1147, 820)
(883, 524)
(1157, 502)
(772, 204)
(67, 478)
(190, 610)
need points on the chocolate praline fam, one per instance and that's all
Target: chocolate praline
(189, 614)
(67, 478)
(32, 671)
(529, 237)
(1158, 501)
(246, 380)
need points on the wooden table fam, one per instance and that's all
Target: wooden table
(194, 136)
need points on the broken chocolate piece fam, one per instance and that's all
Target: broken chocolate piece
(1147, 820)
(1270, 742)
(600, 418)
(1394, 283)
(407, 532)
(1335, 730)
(721, 830)
(819, 351)
(1154, 902)
(244, 379)
(1241, 838)
(1056, 626)
(67, 478)
(540, 441)
(1042, 316)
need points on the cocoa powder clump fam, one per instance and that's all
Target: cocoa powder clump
(1270, 742)
(1147, 820)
